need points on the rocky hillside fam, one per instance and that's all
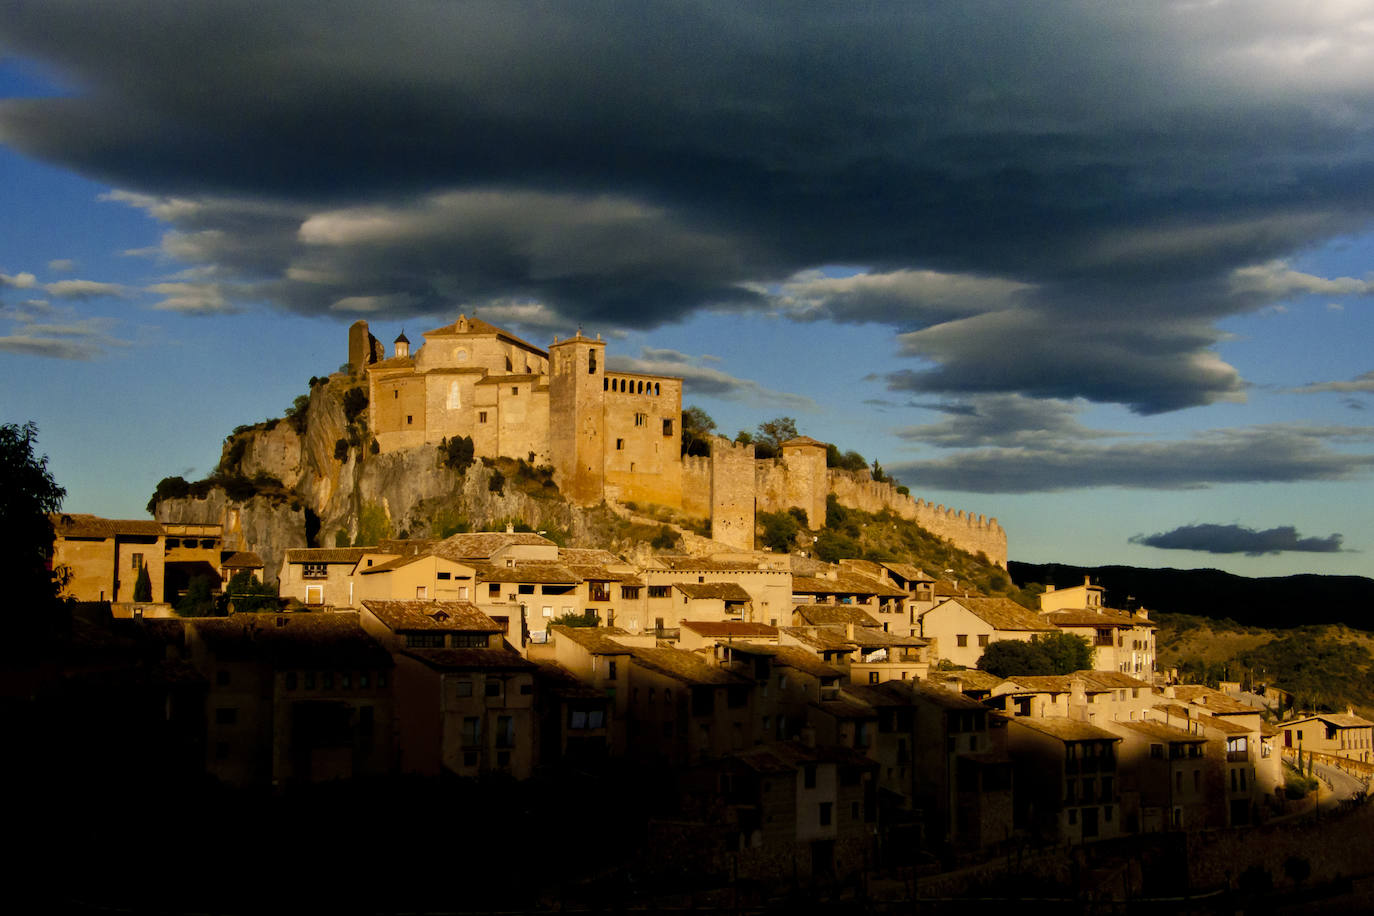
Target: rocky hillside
(313, 479)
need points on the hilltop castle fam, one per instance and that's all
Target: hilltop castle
(610, 435)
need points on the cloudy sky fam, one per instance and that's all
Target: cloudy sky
(1103, 271)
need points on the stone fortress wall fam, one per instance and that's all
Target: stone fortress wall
(614, 435)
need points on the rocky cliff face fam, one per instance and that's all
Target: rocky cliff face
(325, 501)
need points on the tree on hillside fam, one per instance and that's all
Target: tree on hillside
(28, 495)
(772, 434)
(697, 427)
(779, 530)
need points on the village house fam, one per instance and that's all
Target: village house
(465, 700)
(899, 617)
(962, 628)
(1163, 784)
(293, 698)
(1338, 734)
(1065, 772)
(766, 579)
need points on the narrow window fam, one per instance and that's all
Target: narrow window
(667, 427)
(409, 419)
(481, 416)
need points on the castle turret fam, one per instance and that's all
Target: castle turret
(577, 368)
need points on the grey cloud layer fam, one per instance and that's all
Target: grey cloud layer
(1021, 182)
(698, 379)
(1238, 539)
(1261, 454)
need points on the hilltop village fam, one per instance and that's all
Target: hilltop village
(815, 717)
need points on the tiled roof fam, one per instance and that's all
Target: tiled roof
(1160, 732)
(448, 616)
(479, 328)
(1223, 725)
(802, 440)
(846, 708)
(1110, 680)
(242, 559)
(598, 573)
(75, 525)
(844, 583)
(563, 683)
(394, 362)
(389, 565)
(703, 564)
(1053, 683)
(1338, 719)
(348, 555)
(1004, 614)
(824, 615)
(730, 629)
(293, 639)
(908, 572)
(596, 640)
(1066, 729)
(1214, 701)
(594, 556)
(471, 658)
(867, 638)
(940, 696)
(404, 546)
(806, 662)
(971, 678)
(946, 588)
(480, 545)
(526, 571)
(687, 667)
(821, 638)
(1109, 617)
(726, 591)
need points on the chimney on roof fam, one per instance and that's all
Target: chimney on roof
(849, 630)
(1087, 581)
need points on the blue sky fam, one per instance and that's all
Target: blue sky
(1104, 274)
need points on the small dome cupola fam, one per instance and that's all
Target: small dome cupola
(402, 344)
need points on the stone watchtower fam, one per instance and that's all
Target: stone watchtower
(807, 479)
(577, 433)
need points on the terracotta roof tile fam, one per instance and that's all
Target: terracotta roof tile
(829, 615)
(472, 658)
(481, 545)
(242, 559)
(1004, 614)
(726, 591)
(730, 629)
(596, 640)
(447, 616)
(76, 525)
(348, 555)
(687, 667)
(1066, 729)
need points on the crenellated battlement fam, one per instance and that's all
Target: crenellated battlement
(969, 531)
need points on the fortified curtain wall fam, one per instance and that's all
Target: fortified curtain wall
(780, 486)
(967, 531)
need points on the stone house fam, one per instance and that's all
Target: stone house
(1163, 783)
(963, 627)
(1066, 783)
(1338, 734)
(465, 700)
(293, 698)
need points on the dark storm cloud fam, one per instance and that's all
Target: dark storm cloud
(1002, 421)
(1237, 539)
(1058, 200)
(1261, 454)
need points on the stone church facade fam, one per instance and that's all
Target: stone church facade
(607, 434)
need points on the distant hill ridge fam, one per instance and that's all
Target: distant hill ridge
(1271, 601)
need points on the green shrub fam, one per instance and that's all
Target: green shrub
(779, 530)
(456, 453)
(354, 403)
